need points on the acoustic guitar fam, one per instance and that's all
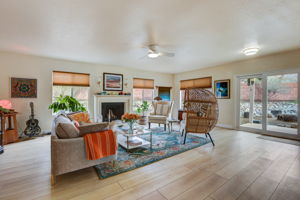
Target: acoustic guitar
(32, 125)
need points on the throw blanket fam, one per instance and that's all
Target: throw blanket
(100, 144)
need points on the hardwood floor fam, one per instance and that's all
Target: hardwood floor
(240, 166)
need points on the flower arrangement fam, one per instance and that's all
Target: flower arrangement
(127, 117)
(130, 119)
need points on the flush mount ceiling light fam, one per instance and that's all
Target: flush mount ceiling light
(251, 51)
(153, 55)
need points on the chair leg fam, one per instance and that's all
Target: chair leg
(53, 180)
(206, 135)
(165, 127)
(149, 125)
(182, 132)
(211, 139)
(184, 137)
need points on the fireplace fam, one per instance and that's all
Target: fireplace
(112, 111)
(101, 102)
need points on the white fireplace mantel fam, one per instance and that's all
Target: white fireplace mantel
(99, 99)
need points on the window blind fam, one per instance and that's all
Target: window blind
(143, 83)
(205, 82)
(71, 79)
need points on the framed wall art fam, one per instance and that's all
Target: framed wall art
(23, 88)
(222, 89)
(112, 82)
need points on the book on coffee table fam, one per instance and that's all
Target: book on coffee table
(134, 141)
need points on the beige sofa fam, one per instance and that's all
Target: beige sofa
(69, 155)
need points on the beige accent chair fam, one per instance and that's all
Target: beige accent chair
(69, 155)
(162, 111)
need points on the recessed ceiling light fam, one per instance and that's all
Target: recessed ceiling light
(153, 55)
(251, 51)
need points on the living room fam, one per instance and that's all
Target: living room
(151, 59)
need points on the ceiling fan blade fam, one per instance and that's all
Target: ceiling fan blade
(168, 54)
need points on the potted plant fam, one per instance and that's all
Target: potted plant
(67, 103)
(4, 110)
(141, 110)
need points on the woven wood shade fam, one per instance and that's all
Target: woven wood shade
(71, 79)
(143, 83)
(202, 110)
(196, 83)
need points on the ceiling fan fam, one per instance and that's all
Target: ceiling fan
(153, 52)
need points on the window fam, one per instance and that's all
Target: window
(182, 92)
(140, 95)
(196, 83)
(71, 84)
(79, 93)
(205, 83)
(143, 90)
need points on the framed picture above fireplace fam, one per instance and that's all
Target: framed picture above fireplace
(112, 82)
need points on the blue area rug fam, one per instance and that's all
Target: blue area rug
(165, 145)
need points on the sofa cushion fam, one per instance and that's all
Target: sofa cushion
(66, 130)
(93, 127)
(80, 117)
(59, 118)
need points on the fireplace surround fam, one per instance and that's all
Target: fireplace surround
(104, 103)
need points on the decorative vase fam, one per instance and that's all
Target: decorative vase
(143, 120)
(130, 124)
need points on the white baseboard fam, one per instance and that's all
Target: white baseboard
(225, 126)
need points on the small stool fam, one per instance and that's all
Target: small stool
(10, 133)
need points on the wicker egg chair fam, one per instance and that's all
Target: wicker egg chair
(202, 112)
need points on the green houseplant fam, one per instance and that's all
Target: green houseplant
(67, 103)
(4, 110)
(141, 110)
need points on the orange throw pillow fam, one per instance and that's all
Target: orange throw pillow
(81, 117)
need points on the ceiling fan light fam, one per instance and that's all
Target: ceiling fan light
(153, 55)
(250, 51)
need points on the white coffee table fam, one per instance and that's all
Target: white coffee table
(125, 139)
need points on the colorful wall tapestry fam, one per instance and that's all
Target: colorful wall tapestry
(23, 88)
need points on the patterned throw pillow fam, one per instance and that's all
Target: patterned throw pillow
(66, 131)
(81, 117)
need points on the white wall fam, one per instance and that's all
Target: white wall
(24, 66)
(282, 61)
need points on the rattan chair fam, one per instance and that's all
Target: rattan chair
(202, 112)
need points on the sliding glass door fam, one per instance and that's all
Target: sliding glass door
(268, 103)
(282, 105)
(251, 102)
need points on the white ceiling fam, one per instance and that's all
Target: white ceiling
(202, 33)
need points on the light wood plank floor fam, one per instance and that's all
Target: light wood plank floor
(240, 166)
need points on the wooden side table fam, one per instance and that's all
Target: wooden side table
(10, 133)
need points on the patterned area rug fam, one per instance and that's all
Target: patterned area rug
(165, 145)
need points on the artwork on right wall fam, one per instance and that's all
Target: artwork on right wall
(222, 89)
